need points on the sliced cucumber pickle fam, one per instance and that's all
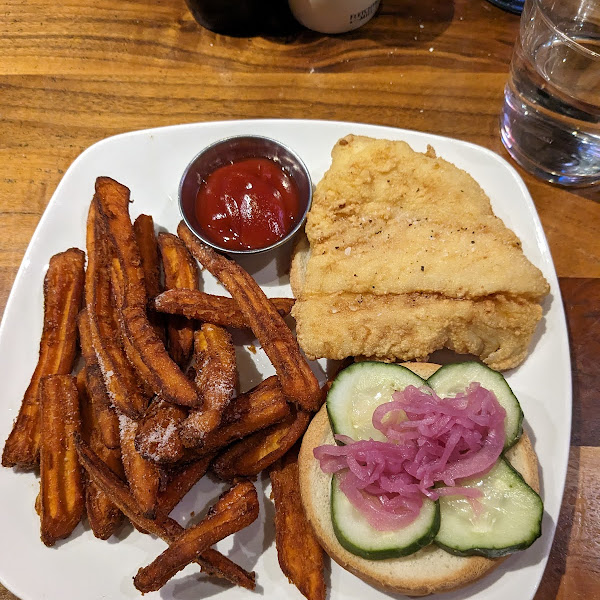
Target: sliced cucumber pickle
(358, 390)
(452, 379)
(356, 534)
(509, 517)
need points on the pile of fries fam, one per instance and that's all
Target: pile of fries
(154, 407)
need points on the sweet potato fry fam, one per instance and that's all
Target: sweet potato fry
(63, 290)
(211, 561)
(250, 456)
(234, 510)
(216, 377)
(103, 516)
(142, 475)
(219, 310)
(145, 237)
(157, 436)
(257, 409)
(300, 555)
(122, 383)
(61, 483)
(181, 271)
(143, 229)
(180, 483)
(297, 380)
(166, 378)
(117, 279)
(85, 406)
(105, 418)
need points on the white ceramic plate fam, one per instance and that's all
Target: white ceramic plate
(150, 163)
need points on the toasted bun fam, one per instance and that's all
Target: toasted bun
(429, 570)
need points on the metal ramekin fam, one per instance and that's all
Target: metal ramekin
(232, 149)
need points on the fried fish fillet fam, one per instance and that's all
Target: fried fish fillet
(406, 256)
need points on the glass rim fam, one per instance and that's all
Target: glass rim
(568, 39)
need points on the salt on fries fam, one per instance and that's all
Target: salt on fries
(157, 437)
(132, 414)
(256, 410)
(104, 415)
(216, 379)
(164, 376)
(122, 382)
(297, 380)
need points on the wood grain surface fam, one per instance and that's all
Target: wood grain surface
(73, 73)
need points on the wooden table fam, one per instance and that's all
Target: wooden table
(72, 73)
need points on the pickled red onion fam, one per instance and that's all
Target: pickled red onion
(430, 441)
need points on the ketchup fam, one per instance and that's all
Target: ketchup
(249, 204)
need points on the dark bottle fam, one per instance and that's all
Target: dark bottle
(513, 6)
(244, 18)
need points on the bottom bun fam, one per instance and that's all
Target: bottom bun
(427, 571)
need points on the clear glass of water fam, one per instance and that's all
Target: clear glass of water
(550, 123)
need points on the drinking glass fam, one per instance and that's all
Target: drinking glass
(550, 123)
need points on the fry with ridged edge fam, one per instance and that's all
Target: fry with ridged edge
(105, 415)
(125, 390)
(211, 561)
(257, 409)
(251, 455)
(145, 237)
(85, 406)
(181, 481)
(117, 279)
(216, 378)
(61, 482)
(181, 272)
(63, 290)
(297, 380)
(209, 308)
(300, 556)
(142, 475)
(103, 515)
(166, 378)
(157, 436)
(235, 509)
